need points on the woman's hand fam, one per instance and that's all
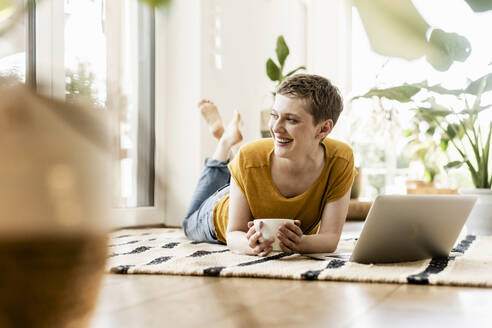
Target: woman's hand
(258, 248)
(290, 236)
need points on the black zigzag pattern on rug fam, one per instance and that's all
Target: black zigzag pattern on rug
(215, 271)
(313, 274)
(464, 244)
(170, 245)
(203, 253)
(137, 250)
(121, 269)
(438, 264)
(160, 260)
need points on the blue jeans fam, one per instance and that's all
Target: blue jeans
(213, 184)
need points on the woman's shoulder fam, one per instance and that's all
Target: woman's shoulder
(336, 148)
(256, 153)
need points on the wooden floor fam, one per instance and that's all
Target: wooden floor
(184, 301)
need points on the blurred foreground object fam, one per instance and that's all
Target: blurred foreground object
(397, 29)
(54, 198)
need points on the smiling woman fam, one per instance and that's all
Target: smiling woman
(298, 174)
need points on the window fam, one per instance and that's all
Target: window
(15, 48)
(377, 128)
(103, 52)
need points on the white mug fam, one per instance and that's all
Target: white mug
(270, 229)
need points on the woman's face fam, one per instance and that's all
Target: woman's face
(293, 128)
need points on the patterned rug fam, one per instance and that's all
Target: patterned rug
(168, 251)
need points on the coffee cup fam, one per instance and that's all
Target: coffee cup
(269, 229)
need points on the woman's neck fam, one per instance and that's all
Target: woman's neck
(312, 161)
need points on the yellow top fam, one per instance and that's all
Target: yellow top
(250, 168)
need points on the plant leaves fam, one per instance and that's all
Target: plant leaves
(454, 164)
(479, 5)
(394, 28)
(402, 93)
(282, 50)
(444, 144)
(157, 3)
(447, 48)
(438, 109)
(423, 114)
(430, 173)
(452, 130)
(474, 86)
(437, 88)
(430, 131)
(295, 70)
(421, 153)
(272, 70)
(475, 111)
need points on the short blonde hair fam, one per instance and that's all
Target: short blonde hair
(323, 98)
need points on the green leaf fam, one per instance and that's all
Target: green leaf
(454, 164)
(157, 3)
(295, 70)
(407, 133)
(474, 86)
(430, 173)
(423, 114)
(452, 130)
(438, 109)
(430, 131)
(485, 158)
(444, 144)
(437, 88)
(402, 93)
(475, 111)
(479, 5)
(461, 131)
(447, 48)
(282, 50)
(421, 153)
(394, 28)
(272, 70)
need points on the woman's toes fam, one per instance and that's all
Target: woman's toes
(211, 115)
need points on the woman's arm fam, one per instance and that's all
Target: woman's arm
(332, 221)
(326, 240)
(241, 235)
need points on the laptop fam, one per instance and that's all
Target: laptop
(401, 228)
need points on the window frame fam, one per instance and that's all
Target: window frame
(49, 75)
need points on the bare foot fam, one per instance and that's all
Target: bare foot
(232, 136)
(212, 117)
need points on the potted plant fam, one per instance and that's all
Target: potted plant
(459, 128)
(422, 147)
(275, 71)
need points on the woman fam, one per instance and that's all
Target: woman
(298, 174)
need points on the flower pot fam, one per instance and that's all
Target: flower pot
(479, 221)
(264, 119)
(419, 187)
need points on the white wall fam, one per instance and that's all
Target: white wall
(329, 47)
(248, 32)
(182, 89)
